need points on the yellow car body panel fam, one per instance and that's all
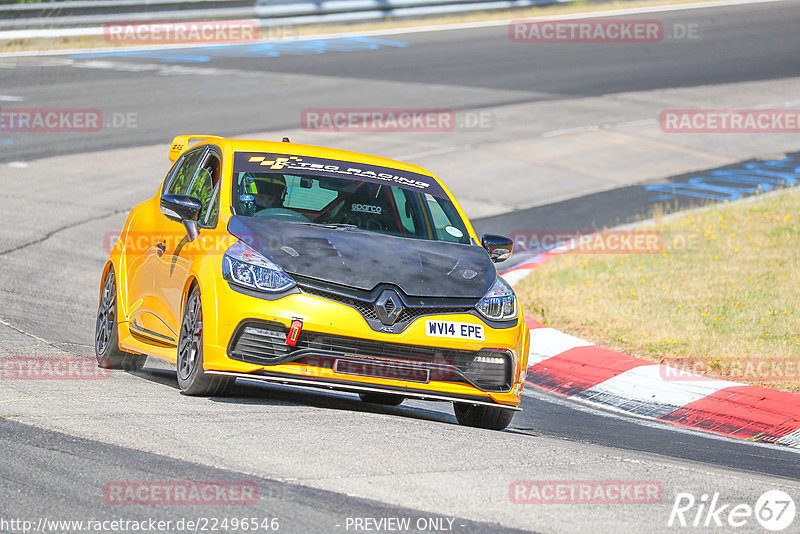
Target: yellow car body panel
(153, 286)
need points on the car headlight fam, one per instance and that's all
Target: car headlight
(244, 266)
(499, 303)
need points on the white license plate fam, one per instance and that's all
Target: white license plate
(454, 329)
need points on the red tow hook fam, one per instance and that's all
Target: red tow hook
(294, 332)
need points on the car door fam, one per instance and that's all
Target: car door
(140, 263)
(178, 252)
(148, 319)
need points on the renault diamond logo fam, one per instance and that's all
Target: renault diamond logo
(388, 307)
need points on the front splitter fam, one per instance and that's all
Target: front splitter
(356, 388)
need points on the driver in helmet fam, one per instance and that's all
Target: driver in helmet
(270, 192)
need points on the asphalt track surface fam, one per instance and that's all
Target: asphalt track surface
(320, 458)
(632, 203)
(267, 87)
(30, 476)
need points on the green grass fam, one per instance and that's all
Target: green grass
(721, 299)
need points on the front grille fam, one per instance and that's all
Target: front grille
(266, 341)
(263, 343)
(367, 308)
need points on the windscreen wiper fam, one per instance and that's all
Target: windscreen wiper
(343, 226)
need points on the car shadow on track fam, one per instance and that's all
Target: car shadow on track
(252, 392)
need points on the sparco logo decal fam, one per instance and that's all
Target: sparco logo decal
(366, 208)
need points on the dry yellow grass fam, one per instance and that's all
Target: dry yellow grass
(721, 299)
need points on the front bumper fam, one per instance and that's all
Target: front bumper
(338, 384)
(354, 357)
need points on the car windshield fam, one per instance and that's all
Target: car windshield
(343, 194)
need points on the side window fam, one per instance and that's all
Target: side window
(203, 187)
(185, 172)
(443, 223)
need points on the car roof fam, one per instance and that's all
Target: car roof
(253, 145)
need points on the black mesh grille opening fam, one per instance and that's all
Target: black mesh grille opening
(260, 343)
(491, 370)
(366, 309)
(264, 343)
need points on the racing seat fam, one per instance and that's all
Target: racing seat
(369, 209)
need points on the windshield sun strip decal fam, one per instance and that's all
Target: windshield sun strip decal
(264, 162)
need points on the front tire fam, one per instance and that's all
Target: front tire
(106, 332)
(192, 379)
(386, 399)
(480, 416)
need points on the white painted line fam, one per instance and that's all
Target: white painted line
(163, 69)
(404, 31)
(577, 129)
(11, 326)
(17, 164)
(640, 122)
(9, 98)
(549, 342)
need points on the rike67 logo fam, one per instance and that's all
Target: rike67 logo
(774, 510)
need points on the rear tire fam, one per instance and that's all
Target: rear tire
(106, 333)
(480, 416)
(386, 399)
(192, 379)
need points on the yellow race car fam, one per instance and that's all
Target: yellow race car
(313, 267)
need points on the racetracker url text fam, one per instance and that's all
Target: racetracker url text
(200, 524)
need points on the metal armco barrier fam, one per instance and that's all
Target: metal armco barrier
(88, 17)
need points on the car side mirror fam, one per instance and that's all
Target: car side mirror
(498, 247)
(183, 209)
